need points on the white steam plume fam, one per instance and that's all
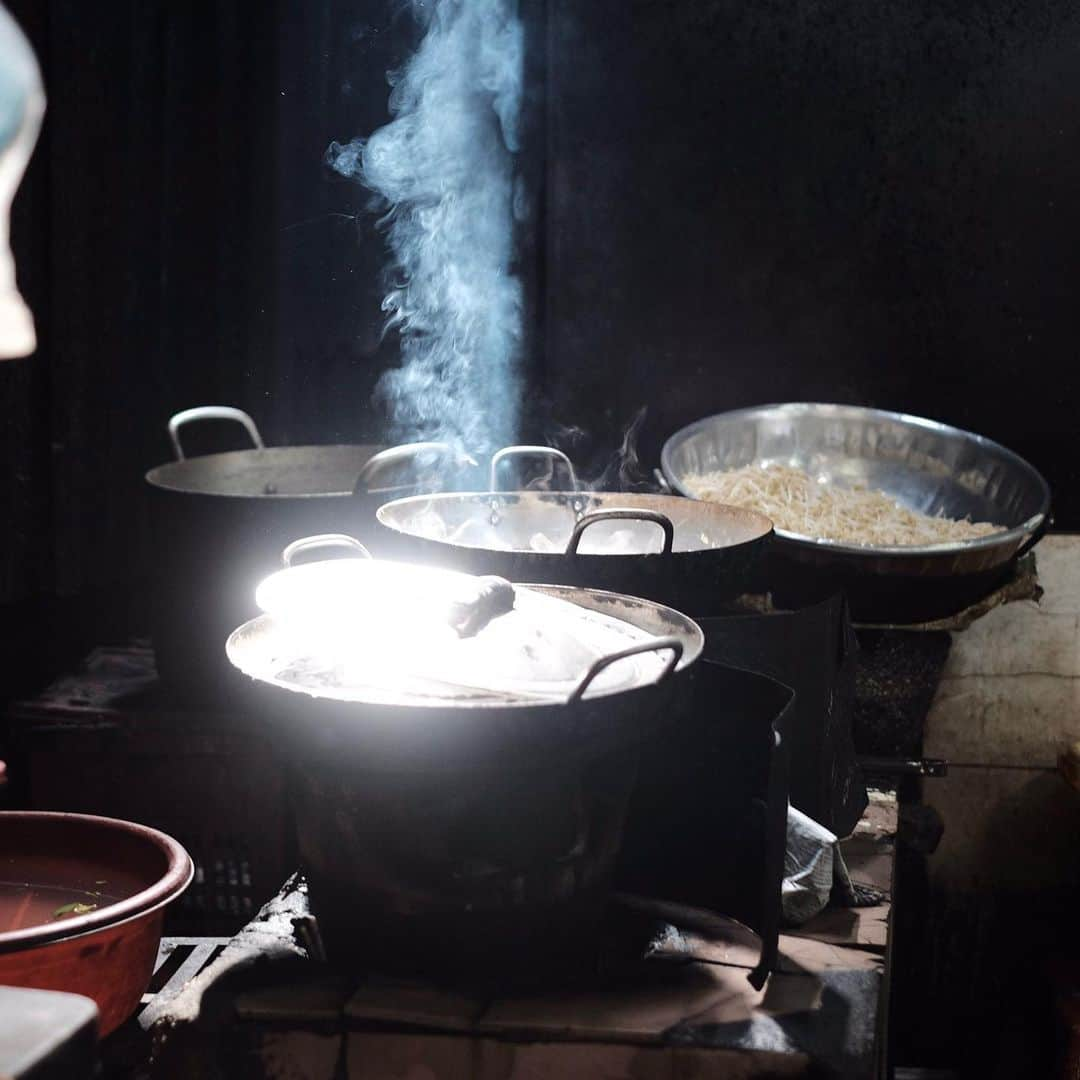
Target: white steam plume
(442, 170)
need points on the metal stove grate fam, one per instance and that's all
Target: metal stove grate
(179, 960)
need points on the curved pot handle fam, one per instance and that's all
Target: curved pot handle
(393, 455)
(1036, 535)
(211, 412)
(620, 513)
(655, 645)
(323, 540)
(529, 451)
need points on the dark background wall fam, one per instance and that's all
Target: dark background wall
(180, 243)
(860, 201)
(854, 201)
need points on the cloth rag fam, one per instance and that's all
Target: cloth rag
(815, 872)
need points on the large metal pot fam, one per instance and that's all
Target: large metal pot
(690, 555)
(925, 465)
(459, 820)
(221, 520)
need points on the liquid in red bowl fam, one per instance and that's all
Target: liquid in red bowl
(23, 904)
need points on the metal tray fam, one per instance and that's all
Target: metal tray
(925, 465)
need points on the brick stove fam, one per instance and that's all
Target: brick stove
(679, 1005)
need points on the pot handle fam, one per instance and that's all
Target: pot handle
(529, 451)
(323, 540)
(623, 514)
(211, 412)
(655, 645)
(1036, 535)
(394, 454)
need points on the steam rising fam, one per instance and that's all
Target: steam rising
(620, 471)
(442, 170)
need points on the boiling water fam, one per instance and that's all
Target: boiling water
(23, 905)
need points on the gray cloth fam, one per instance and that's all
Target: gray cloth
(489, 597)
(813, 865)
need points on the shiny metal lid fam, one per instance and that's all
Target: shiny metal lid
(394, 633)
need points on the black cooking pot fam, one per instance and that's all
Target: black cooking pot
(450, 828)
(688, 554)
(220, 521)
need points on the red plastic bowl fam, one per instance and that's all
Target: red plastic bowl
(108, 954)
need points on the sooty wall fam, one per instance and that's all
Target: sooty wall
(855, 201)
(180, 242)
(859, 201)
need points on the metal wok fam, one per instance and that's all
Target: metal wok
(927, 466)
(451, 830)
(690, 555)
(220, 521)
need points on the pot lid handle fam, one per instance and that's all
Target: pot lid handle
(394, 455)
(529, 451)
(323, 540)
(654, 645)
(211, 412)
(620, 513)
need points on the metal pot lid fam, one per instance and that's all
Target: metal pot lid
(303, 472)
(394, 633)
